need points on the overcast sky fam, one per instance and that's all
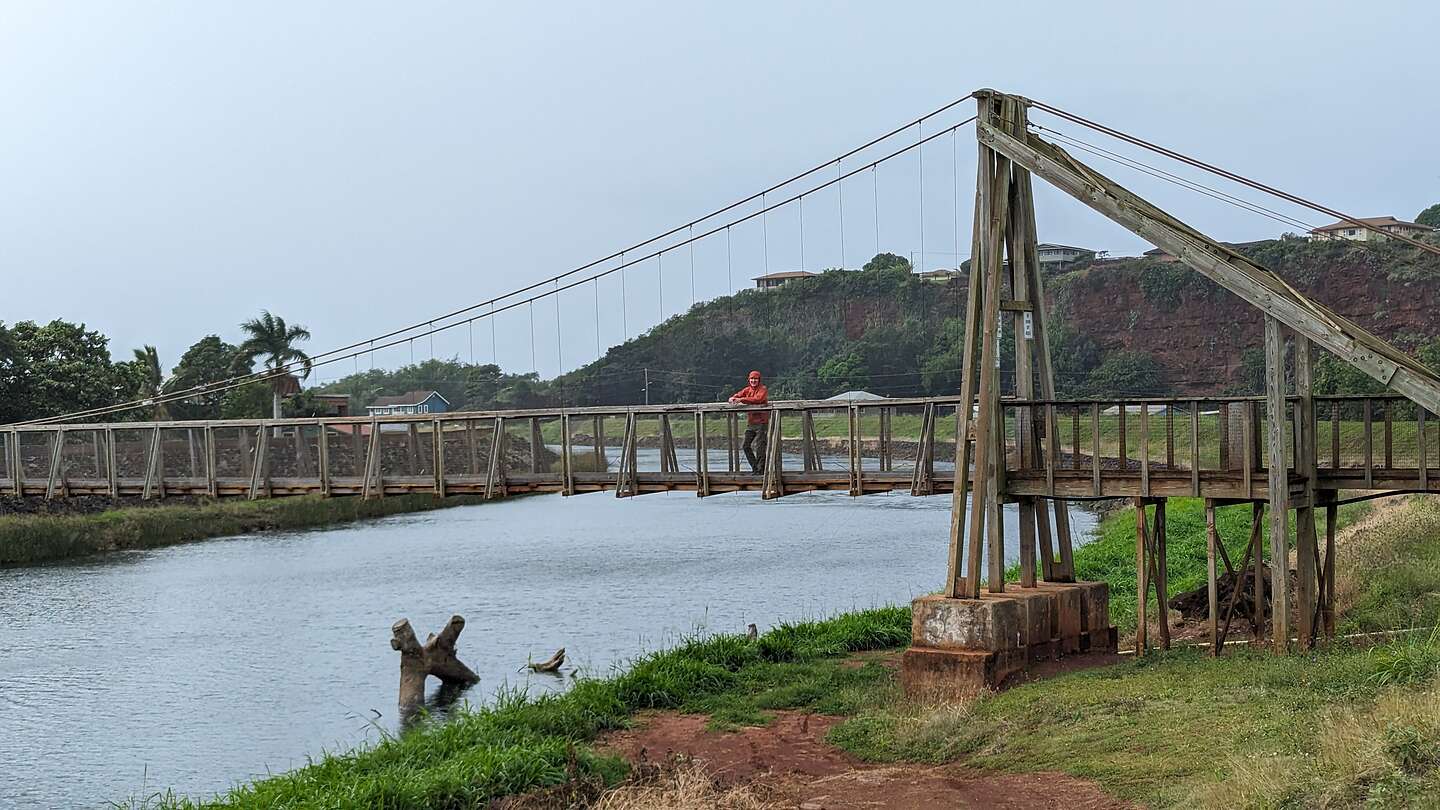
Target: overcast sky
(168, 169)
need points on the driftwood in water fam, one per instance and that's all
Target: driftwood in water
(552, 664)
(436, 657)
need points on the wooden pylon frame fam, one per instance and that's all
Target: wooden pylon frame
(1004, 224)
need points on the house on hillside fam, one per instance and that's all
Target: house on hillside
(1058, 257)
(1161, 255)
(334, 404)
(409, 402)
(940, 275)
(1355, 233)
(770, 281)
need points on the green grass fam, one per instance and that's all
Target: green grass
(26, 539)
(1403, 552)
(523, 742)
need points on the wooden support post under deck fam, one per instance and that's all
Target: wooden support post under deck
(702, 457)
(1142, 576)
(598, 431)
(1279, 482)
(1327, 613)
(535, 445)
(1027, 541)
(412, 448)
(152, 462)
(1212, 541)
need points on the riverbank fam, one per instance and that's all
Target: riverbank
(34, 538)
(1343, 725)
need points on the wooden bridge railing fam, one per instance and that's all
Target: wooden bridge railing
(1133, 447)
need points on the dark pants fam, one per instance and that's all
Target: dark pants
(757, 460)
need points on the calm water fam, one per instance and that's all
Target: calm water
(198, 666)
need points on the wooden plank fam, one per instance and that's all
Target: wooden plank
(324, 448)
(258, 463)
(212, 484)
(535, 445)
(1049, 449)
(1279, 493)
(1327, 613)
(112, 475)
(567, 468)
(1095, 451)
(151, 457)
(1212, 540)
(1306, 551)
(1208, 257)
(702, 457)
(856, 457)
(495, 474)
(472, 445)
(1144, 450)
(437, 457)
(17, 470)
(372, 480)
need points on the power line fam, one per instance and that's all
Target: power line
(1229, 175)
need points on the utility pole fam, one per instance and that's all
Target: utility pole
(647, 386)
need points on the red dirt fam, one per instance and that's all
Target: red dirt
(791, 758)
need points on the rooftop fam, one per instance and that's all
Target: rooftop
(407, 398)
(784, 274)
(1377, 222)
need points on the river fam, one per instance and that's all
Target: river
(195, 667)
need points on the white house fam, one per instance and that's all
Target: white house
(1355, 233)
(409, 402)
(1054, 256)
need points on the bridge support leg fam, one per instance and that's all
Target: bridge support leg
(1278, 469)
(1150, 566)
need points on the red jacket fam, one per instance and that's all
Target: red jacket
(755, 395)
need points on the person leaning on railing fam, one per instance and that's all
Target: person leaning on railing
(754, 393)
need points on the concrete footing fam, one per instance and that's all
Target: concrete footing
(961, 647)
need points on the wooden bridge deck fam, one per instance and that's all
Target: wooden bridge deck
(1103, 449)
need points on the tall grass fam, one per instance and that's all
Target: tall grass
(28, 539)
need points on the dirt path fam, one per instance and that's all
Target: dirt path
(792, 761)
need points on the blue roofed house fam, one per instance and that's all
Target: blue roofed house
(409, 403)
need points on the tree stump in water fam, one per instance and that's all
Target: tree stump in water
(436, 657)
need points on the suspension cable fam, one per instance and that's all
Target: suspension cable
(1229, 175)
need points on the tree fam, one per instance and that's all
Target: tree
(1430, 216)
(268, 336)
(1124, 373)
(58, 368)
(209, 360)
(888, 261)
(150, 379)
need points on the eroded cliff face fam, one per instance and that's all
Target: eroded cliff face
(1199, 331)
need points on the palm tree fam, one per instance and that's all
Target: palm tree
(268, 336)
(152, 379)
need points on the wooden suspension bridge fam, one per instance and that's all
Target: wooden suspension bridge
(1289, 452)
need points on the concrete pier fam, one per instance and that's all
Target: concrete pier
(962, 647)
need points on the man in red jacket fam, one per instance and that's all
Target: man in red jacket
(754, 394)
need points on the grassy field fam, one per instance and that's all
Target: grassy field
(38, 538)
(1343, 726)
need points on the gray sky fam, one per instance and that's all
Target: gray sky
(168, 169)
